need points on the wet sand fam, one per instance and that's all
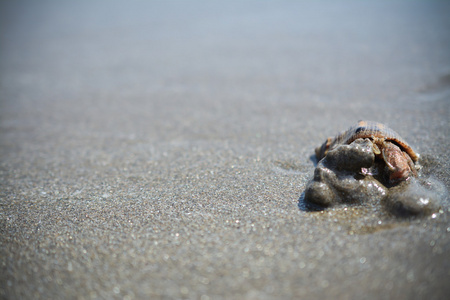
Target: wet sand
(153, 150)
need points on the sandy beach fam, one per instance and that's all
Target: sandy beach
(153, 150)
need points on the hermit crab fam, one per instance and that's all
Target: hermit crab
(387, 145)
(370, 163)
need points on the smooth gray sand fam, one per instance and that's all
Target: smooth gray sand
(156, 150)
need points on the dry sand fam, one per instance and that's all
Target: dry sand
(152, 150)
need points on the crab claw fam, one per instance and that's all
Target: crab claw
(398, 162)
(399, 175)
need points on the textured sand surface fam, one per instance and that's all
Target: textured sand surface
(151, 150)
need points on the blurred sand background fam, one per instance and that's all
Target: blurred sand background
(158, 150)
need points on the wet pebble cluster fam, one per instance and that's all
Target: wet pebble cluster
(351, 174)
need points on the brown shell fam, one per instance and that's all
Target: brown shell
(366, 129)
